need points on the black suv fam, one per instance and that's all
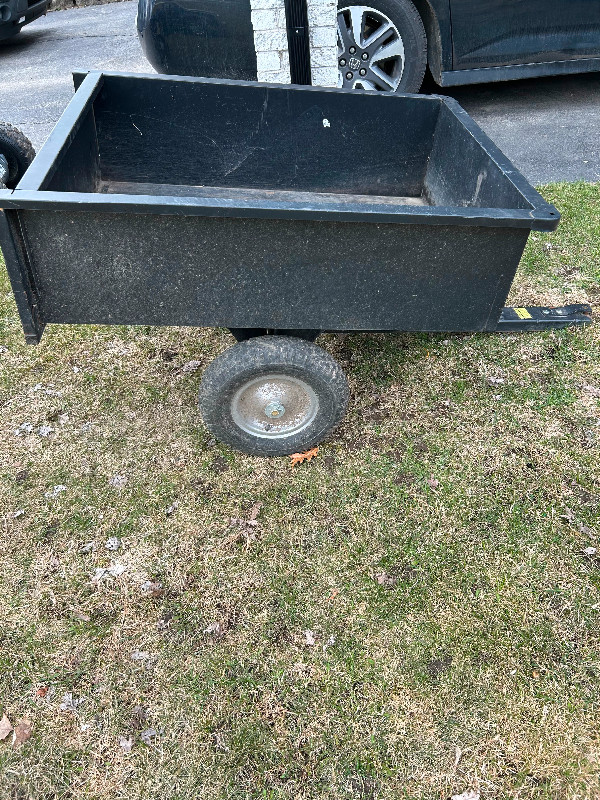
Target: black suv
(16, 13)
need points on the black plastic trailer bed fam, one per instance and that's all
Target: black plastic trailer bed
(277, 212)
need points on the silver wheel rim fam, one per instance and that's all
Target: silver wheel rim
(274, 406)
(370, 50)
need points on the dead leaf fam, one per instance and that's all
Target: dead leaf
(112, 543)
(536, 674)
(70, 703)
(139, 716)
(589, 389)
(5, 727)
(470, 794)
(25, 427)
(191, 366)
(433, 482)
(140, 655)
(126, 743)
(153, 588)
(23, 731)
(114, 571)
(457, 756)
(309, 638)
(334, 594)
(300, 458)
(215, 628)
(586, 531)
(247, 534)
(55, 492)
(42, 691)
(148, 736)
(385, 579)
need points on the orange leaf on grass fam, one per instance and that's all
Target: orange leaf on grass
(300, 458)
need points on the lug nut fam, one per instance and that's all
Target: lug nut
(363, 72)
(365, 56)
(352, 50)
(349, 76)
(342, 62)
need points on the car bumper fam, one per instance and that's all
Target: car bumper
(16, 13)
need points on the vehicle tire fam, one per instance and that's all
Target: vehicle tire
(273, 395)
(18, 151)
(382, 46)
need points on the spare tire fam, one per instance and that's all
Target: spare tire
(18, 151)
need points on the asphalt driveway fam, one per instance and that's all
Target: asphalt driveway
(548, 127)
(36, 66)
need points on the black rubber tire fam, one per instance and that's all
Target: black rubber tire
(261, 356)
(18, 151)
(407, 19)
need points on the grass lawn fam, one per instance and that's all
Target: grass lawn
(412, 614)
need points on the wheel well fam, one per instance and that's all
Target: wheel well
(434, 37)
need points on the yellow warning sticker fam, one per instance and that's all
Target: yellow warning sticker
(522, 313)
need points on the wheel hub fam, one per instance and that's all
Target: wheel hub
(274, 406)
(274, 409)
(370, 50)
(4, 169)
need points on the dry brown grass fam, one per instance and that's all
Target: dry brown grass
(456, 625)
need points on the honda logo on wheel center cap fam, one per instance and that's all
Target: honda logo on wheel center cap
(354, 63)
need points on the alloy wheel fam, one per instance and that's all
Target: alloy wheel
(370, 50)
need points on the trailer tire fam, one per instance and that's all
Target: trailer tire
(405, 73)
(273, 395)
(18, 151)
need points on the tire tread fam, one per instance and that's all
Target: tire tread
(17, 147)
(277, 353)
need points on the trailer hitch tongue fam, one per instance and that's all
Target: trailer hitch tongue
(3, 169)
(544, 317)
